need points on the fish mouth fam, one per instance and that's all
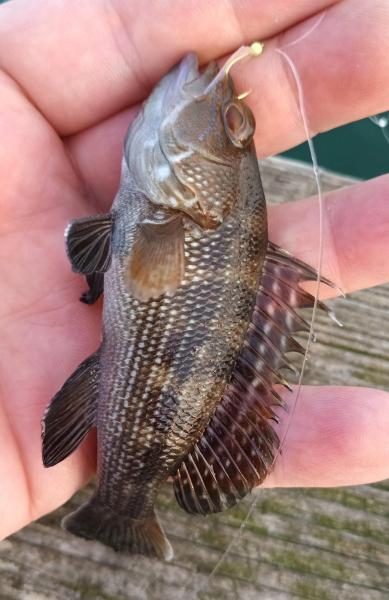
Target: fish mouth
(187, 70)
(184, 83)
(189, 79)
(154, 168)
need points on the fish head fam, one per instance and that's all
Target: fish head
(214, 121)
(186, 146)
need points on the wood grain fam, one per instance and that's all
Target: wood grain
(317, 544)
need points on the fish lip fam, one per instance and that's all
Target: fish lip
(188, 68)
(190, 81)
(186, 72)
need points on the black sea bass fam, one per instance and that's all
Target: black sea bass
(199, 311)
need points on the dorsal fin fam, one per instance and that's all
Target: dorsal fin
(239, 445)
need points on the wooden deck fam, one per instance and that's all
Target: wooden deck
(303, 543)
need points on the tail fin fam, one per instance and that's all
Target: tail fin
(94, 521)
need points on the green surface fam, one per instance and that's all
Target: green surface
(359, 149)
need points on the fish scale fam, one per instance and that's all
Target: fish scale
(185, 418)
(199, 313)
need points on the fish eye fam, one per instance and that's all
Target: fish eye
(239, 123)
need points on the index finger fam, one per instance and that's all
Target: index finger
(338, 436)
(80, 62)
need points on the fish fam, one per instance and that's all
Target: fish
(200, 312)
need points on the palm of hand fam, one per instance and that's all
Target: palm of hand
(45, 331)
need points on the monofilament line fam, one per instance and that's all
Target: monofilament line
(315, 165)
(316, 172)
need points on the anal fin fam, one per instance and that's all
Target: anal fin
(71, 413)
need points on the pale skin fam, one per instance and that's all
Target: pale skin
(71, 78)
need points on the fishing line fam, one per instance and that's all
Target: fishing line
(316, 171)
(307, 33)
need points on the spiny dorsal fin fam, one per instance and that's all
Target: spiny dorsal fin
(157, 264)
(88, 243)
(71, 413)
(238, 447)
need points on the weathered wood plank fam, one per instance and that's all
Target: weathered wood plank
(317, 543)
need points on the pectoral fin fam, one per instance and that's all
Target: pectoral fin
(157, 263)
(88, 243)
(71, 413)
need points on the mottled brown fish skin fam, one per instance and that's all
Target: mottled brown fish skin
(200, 310)
(166, 362)
(181, 253)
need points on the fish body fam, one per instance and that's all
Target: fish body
(182, 384)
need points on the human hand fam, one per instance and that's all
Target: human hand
(72, 76)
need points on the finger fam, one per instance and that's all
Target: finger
(338, 436)
(355, 233)
(97, 152)
(343, 73)
(342, 64)
(355, 224)
(88, 60)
